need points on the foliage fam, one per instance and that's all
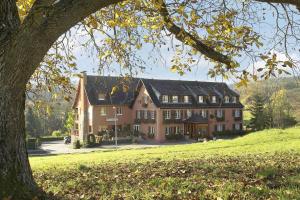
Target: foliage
(56, 133)
(174, 137)
(51, 138)
(256, 108)
(76, 144)
(91, 141)
(251, 168)
(31, 143)
(69, 123)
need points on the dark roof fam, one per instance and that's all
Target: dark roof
(196, 118)
(155, 88)
(124, 94)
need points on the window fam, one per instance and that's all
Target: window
(165, 99)
(175, 99)
(101, 97)
(177, 130)
(237, 113)
(214, 99)
(177, 114)
(119, 111)
(226, 99)
(233, 99)
(203, 113)
(152, 114)
(103, 111)
(237, 126)
(200, 99)
(136, 127)
(186, 99)
(167, 130)
(167, 114)
(151, 130)
(90, 128)
(138, 114)
(189, 113)
(219, 113)
(219, 127)
(145, 114)
(145, 99)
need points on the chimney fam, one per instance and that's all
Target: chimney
(83, 76)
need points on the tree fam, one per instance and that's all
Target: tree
(69, 123)
(33, 126)
(28, 30)
(256, 108)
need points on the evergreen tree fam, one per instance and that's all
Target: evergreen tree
(256, 108)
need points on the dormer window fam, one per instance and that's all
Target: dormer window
(214, 99)
(226, 99)
(165, 99)
(233, 99)
(101, 97)
(175, 99)
(200, 99)
(186, 99)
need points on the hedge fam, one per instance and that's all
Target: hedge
(51, 138)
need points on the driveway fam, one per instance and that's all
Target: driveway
(58, 147)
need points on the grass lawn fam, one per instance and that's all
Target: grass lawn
(261, 165)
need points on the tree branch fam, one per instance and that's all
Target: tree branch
(184, 36)
(45, 23)
(291, 2)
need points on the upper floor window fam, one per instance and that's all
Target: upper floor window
(175, 99)
(203, 113)
(145, 114)
(119, 111)
(233, 99)
(101, 96)
(152, 114)
(189, 113)
(138, 114)
(200, 99)
(219, 113)
(214, 99)
(220, 127)
(186, 99)
(237, 113)
(226, 99)
(102, 111)
(177, 114)
(165, 99)
(167, 114)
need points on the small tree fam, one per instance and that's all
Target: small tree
(69, 123)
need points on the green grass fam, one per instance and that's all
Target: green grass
(262, 165)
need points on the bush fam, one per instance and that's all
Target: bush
(175, 137)
(76, 144)
(56, 133)
(51, 138)
(91, 140)
(31, 143)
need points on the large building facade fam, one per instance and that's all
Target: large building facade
(155, 108)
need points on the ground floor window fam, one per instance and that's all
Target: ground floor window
(136, 127)
(237, 127)
(220, 127)
(167, 130)
(151, 130)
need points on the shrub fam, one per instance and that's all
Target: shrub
(76, 144)
(56, 133)
(91, 139)
(31, 143)
(174, 137)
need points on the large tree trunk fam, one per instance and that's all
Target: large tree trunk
(16, 179)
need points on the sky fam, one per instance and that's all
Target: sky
(87, 61)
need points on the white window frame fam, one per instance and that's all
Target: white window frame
(138, 114)
(119, 110)
(186, 99)
(175, 99)
(101, 96)
(152, 130)
(103, 111)
(203, 113)
(234, 99)
(237, 113)
(226, 99)
(177, 114)
(168, 114)
(237, 126)
(219, 127)
(188, 113)
(214, 99)
(136, 127)
(219, 113)
(152, 114)
(165, 99)
(200, 99)
(177, 129)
